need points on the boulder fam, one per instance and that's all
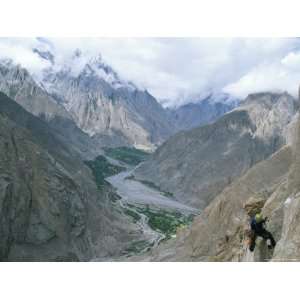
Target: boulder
(255, 204)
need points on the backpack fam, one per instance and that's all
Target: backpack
(253, 223)
(257, 227)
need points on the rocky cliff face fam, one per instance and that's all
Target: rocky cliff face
(219, 233)
(197, 165)
(50, 207)
(107, 108)
(19, 85)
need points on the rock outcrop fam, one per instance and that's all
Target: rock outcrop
(107, 108)
(18, 84)
(254, 204)
(197, 165)
(219, 233)
(50, 207)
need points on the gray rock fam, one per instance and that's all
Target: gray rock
(196, 165)
(18, 84)
(107, 108)
(50, 207)
(218, 233)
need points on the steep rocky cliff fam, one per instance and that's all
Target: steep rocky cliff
(50, 207)
(219, 233)
(197, 165)
(19, 85)
(106, 107)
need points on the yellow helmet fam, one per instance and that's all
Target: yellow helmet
(258, 218)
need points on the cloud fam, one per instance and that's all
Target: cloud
(280, 74)
(20, 51)
(178, 69)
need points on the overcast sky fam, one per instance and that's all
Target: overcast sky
(176, 69)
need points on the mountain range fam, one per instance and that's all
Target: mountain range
(198, 164)
(66, 128)
(105, 107)
(88, 102)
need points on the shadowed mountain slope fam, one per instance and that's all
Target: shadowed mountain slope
(50, 207)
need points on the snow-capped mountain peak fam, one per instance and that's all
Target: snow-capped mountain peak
(214, 97)
(80, 64)
(96, 66)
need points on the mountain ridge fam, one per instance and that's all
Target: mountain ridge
(18, 84)
(103, 105)
(197, 164)
(202, 112)
(51, 209)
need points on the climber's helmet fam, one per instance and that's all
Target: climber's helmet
(258, 218)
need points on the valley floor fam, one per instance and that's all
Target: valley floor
(135, 192)
(157, 214)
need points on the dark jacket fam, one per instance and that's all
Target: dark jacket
(257, 227)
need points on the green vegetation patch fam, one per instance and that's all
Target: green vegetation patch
(101, 169)
(130, 156)
(166, 222)
(162, 221)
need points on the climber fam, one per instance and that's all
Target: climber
(257, 228)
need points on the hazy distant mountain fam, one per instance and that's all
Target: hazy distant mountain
(90, 95)
(196, 165)
(204, 111)
(18, 84)
(107, 108)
